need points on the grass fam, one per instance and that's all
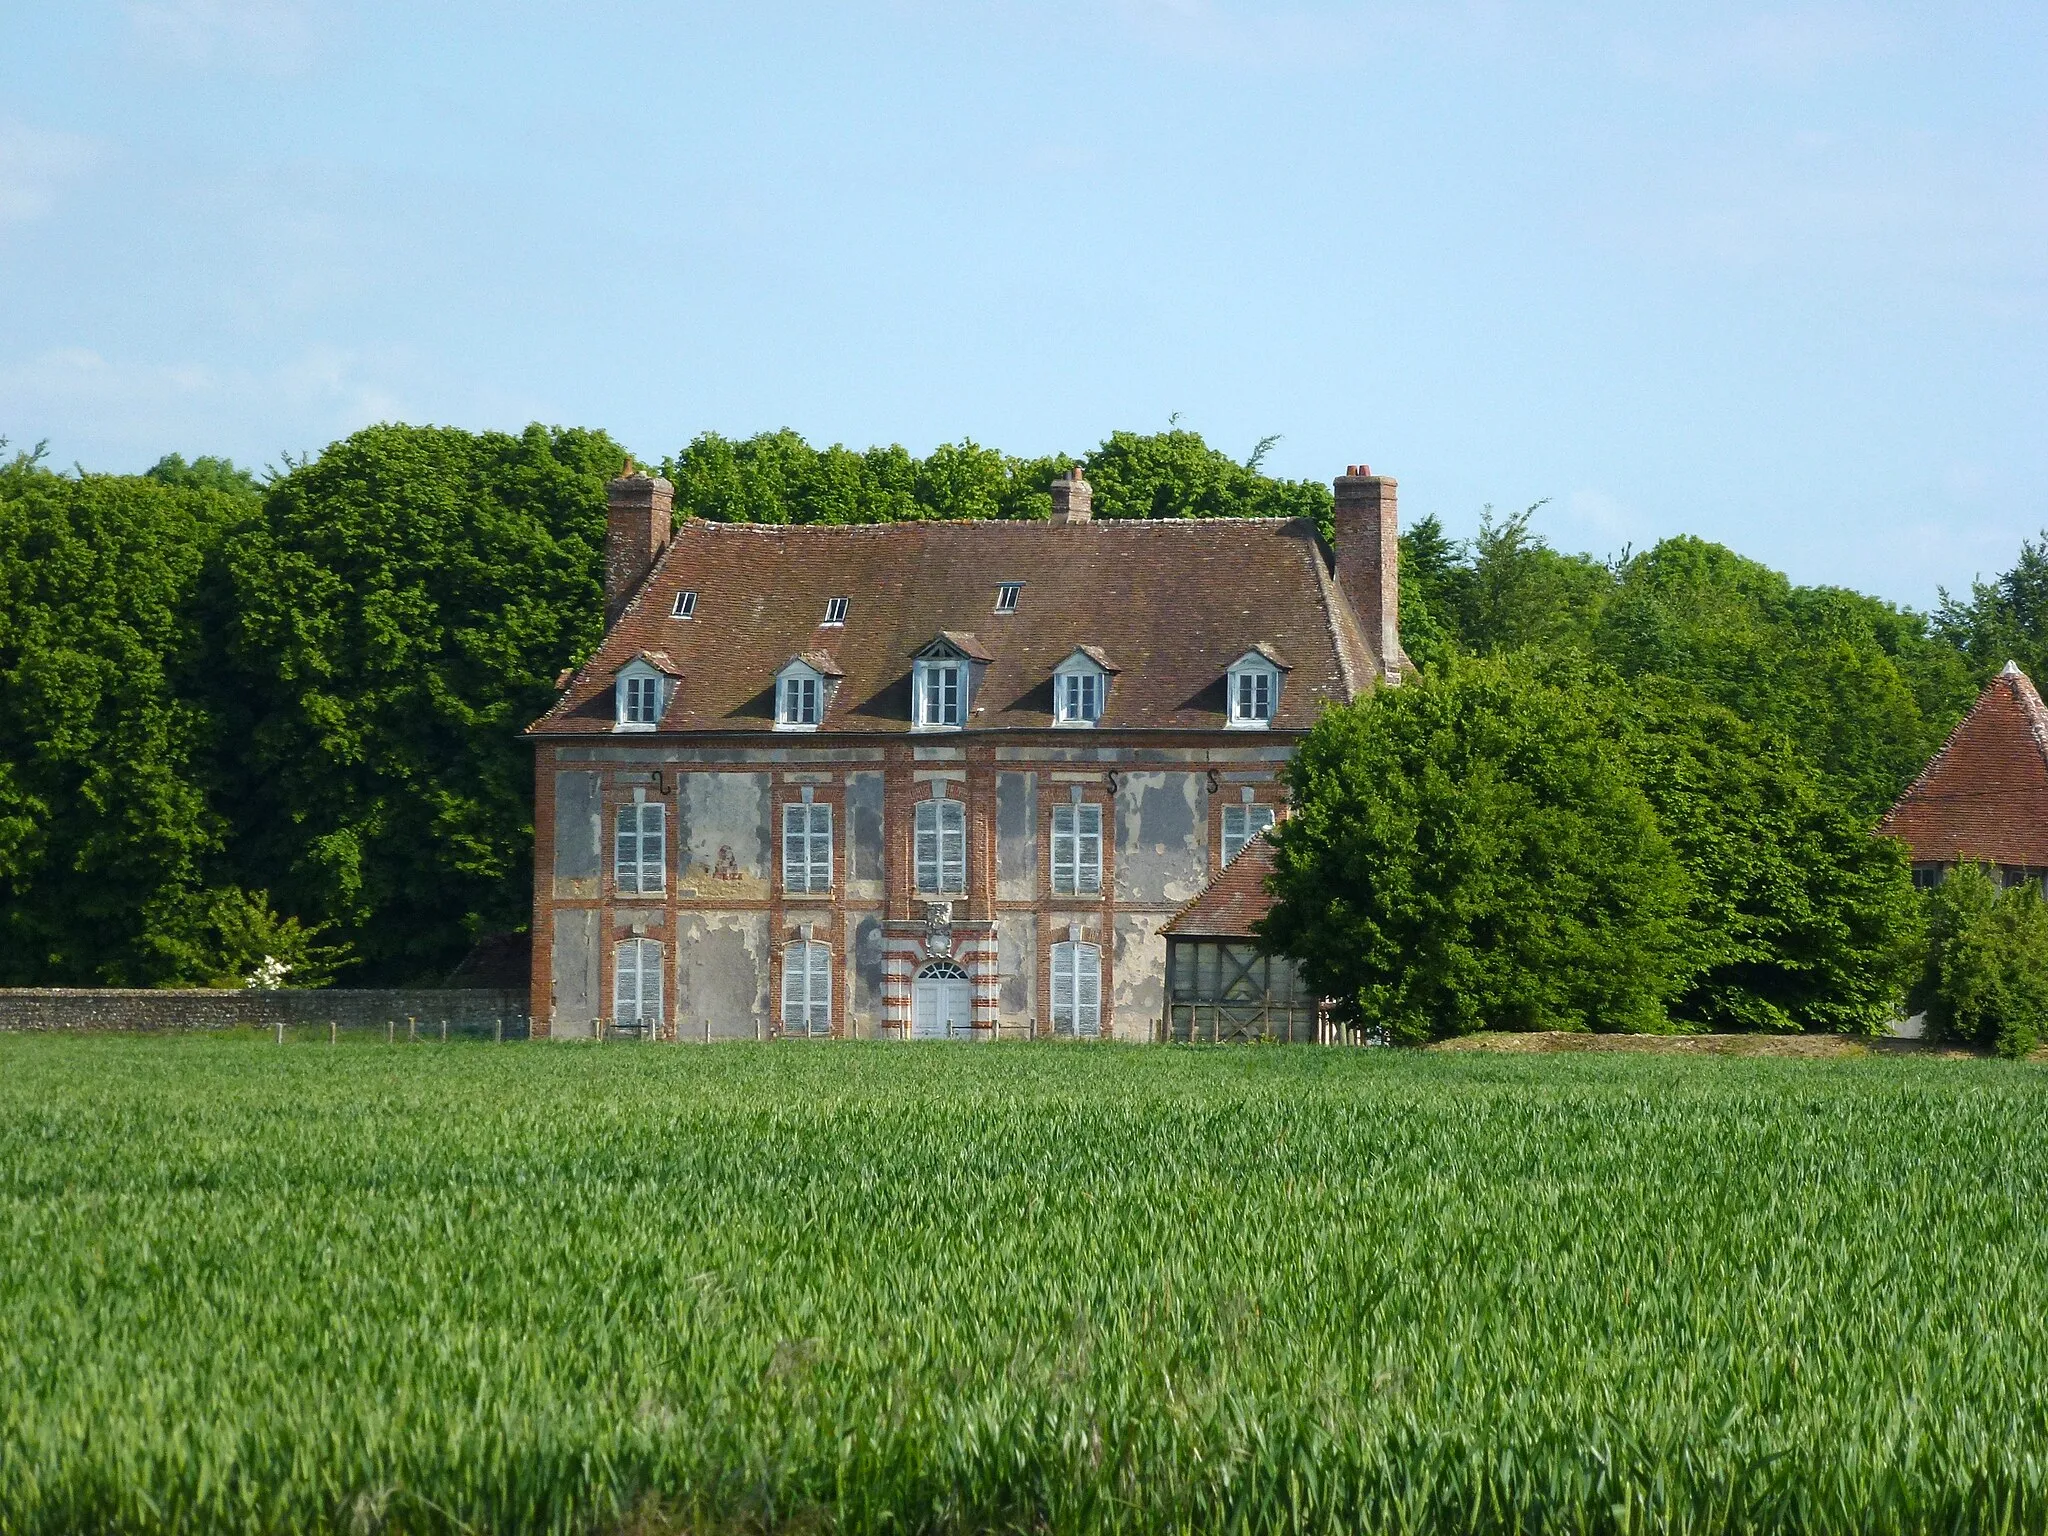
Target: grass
(889, 1288)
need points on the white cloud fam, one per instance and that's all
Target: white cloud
(273, 37)
(34, 163)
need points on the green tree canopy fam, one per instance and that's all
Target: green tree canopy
(1797, 918)
(396, 615)
(1470, 851)
(107, 836)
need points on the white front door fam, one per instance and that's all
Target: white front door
(942, 1007)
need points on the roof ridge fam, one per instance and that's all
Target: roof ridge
(982, 522)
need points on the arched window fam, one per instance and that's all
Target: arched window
(636, 982)
(1076, 989)
(807, 989)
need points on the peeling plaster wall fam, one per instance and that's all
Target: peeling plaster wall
(721, 974)
(1140, 987)
(574, 966)
(1016, 837)
(864, 799)
(1017, 966)
(578, 835)
(865, 964)
(724, 828)
(1162, 839)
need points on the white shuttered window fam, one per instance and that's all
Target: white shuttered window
(1242, 823)
(941, 847)
(1076, 850)
(636, 982)
(640, 849)
(807, 989)
(807, 847)
(1076, 989)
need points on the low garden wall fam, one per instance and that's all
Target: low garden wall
(115, 1008)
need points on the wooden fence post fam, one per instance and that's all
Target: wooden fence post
(497, 1031)
(412, 1030)
(280, 1029)
(391, 1031)
(333, 1031)
(444, 1031)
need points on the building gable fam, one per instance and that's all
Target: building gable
(1985, 794)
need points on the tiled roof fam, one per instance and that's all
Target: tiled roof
(1985, 794)
(1233, 900)
(1175, 601)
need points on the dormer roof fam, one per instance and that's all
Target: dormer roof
(1094, 654)
(1265, 650)
(820, 662)
(659, 660)
(1175, 601)
(959, 641)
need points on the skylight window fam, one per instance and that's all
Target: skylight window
(835, 610)
(1007, 595)
(685, 606)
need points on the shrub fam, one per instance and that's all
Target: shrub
(1986, 976)
(1469, 851)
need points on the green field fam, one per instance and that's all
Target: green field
(889, 1288)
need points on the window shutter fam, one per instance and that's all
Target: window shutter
(928, 845)
(1063, 841)
(820, 850)
(1063, 989)
(1087, 990)
(821, 988)
(952, 846)
(1088, 848)
(653, 847)
(795, 982)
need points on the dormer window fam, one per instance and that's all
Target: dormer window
(1006, 596)
(642, 692)
(802, 692)
(1080, 687)
(942, 700)
(799, 701)
(685, 606)
(835, 611)
(942, 682)
(1254, 689)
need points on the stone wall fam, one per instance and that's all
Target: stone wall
(111, 1008)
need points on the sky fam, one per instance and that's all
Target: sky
(1776, 275)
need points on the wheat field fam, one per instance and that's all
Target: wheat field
(887, 1288)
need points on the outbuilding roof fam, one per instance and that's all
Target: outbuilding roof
(1175, 601)
(1234, 899)
(1985, 794)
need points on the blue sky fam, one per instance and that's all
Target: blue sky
(1777, 275)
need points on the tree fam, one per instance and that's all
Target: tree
(1806, 663)
(1175, 474)
(1518, 591)
(392, 619)
(1985, 980)
(1797, 918)
(1469, 851)
(1432, 580)
(204, 474)
(107, 836)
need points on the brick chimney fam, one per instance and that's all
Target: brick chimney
(1369, 559)
(636, 532)
(1073, 498)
